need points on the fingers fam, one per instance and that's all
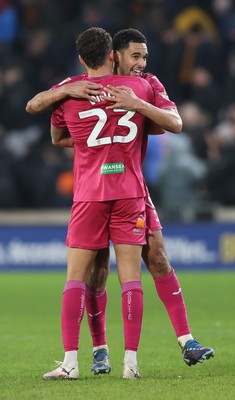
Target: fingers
(91, 90)
(117, 88)
(93, 85)
(112, 107)
(110, 87)
(108, 98)
(114, 90)
(91, 97)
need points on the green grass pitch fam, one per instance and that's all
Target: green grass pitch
(30, 341)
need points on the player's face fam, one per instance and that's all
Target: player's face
(132, 61)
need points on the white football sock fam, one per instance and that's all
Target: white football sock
(70, 357)
(183, 339)
(131, 356)
(103, 346)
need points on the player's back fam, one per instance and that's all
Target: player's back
(107, 144)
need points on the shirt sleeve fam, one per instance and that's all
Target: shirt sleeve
(57, 117)
(161, 97)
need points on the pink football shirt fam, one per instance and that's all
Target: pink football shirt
(107, 143)
(161, 100)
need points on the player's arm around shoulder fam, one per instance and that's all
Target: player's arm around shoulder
(169, 118)
(68, 88)
(44, 100)
(129, 97)
(122, 97)
(164, 119)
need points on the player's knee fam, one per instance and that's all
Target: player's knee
(97, 279)
(158, 264)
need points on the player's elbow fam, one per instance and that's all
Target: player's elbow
(54, 141)
(178, 128)
(29, 108)
(177, 125)
(34, 107)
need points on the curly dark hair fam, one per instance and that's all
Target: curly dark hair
(93, 45)
(122, 39)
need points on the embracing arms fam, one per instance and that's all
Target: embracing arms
(44, 100)
(123, 97)
(159, 120)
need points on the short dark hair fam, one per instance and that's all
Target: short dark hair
(122, 39)
(94, 45)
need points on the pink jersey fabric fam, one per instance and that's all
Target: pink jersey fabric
(161, 100)
(161, 97)
(93, 224)
(152, 219)
(107, 143)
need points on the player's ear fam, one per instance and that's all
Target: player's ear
(111, 55)
(116, 56)
(81, 60)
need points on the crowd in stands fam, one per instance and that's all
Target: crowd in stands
(191, 50)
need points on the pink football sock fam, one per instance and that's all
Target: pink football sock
(96, 315)
(73, 305)
(169, 291)
(132, 312)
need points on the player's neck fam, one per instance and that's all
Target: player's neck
(99, 72)
(106, 69)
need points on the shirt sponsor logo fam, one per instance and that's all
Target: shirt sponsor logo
(137, 231)
(113, 168)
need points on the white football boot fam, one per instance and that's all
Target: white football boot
(63, 371)
(130, 370)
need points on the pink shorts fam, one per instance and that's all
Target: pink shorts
(93, 224)
(152, 220)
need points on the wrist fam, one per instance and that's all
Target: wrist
(138, 105)
(62, 92)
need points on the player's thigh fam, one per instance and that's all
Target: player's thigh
(88, 225)
(127, 222)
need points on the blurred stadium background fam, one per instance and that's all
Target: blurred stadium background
(191, 176)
